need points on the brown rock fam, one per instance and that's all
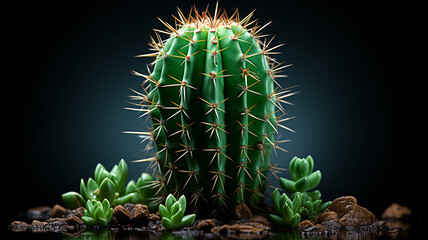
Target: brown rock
(121, 214)
(396, 211)
(154, 217)
(19, 226)
(139, 215)
(327, 216)
(343, 205)
(205, 224)
(358, 216)
(74, 220)
(241, 211)
(58, 211)
(305, 224)
(242, 228)
(259, 219)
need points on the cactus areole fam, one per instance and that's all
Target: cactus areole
(215, 105)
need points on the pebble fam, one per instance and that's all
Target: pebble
(241, 211)
(358, 216)
(343, 205)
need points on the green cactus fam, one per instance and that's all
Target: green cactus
(213, 103)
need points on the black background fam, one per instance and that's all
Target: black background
(70, 69)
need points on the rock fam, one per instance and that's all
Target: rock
(343, 205)
(37, 223)
(74, 220)
(39, 213)
(259, 219)
(241, 211)
(396, 211)
(78, 212)
(327, 216)
(358, 216)
(205, 224)
(121, 215)
(58, 211)
(154, 217)
(242, 228)
(331, 225)
(304, 225)
(129, 206)
(19, 226)
(139, 215)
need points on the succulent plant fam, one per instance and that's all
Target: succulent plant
(312, 204)
(173, 213)
(302, 177)
(214, 104)
(110, 185)
(303, 180)
(287, 212)
(97, 212)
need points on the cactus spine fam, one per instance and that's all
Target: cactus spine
(214, 105)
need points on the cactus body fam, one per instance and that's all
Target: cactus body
(213, 100)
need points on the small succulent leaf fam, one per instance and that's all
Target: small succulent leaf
(92, 186)
(73, 200)
(304, 168)
(122, 175)
(297, 202)
(325, 206)
(178, 216)
(106, 205)
(98, 170)
(275, 200)
(89, 221)
(314, 195)
(277, 220)
(84, 190)
(314, 179)
(164, 212)
(295, 220)
(109, 214)
(102, 221)
(188, 220)
(292, 167)
(302, 184)
(169, 201)
(128, 198)
(168, 224)
(310, 161)
(288, 185)
(175, 207)
(282, 201)
(90, 208)
(107, 190)
(131, 187)
(183, 203)
(99, 214)
(287, 212)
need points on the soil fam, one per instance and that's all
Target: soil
(247, 224)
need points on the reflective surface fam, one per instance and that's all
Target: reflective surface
(397, 230)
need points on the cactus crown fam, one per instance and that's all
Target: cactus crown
(214, 101)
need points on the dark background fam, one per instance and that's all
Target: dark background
(70, 70)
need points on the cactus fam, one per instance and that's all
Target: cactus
(214, 106)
